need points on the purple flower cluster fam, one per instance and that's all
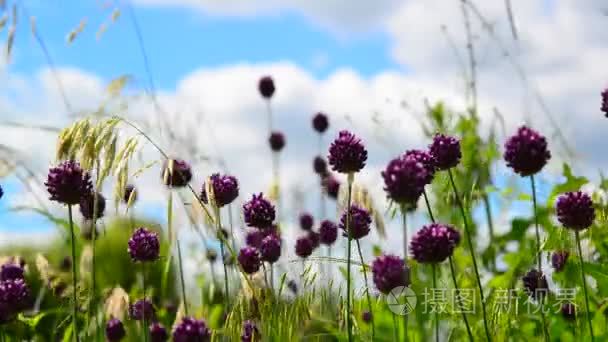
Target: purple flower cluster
(434, 243)
(575, 210)
(225, 189)
(276, 141)
(87, 205)
(144, 245)
(266, 87)
(328, 232)
(559, 259)
(259, 212)
(14, 294)
(115, 330)
(191, 330)
(359, 225)
(320, 166)
(68, 182)
(158, 333)
(320, 122)
(331, 185)
(178, 175)
(347, 154)
(130, 191)
(306, 221)
(250, 332)
(405, 178)
(535, 284)
(304, 246)
(270, 248)
(426, 159)
(142, 309)
(389, 271)
(568, 311)
(445, 151)
(249, 258)
(526, 152)
(11, 271)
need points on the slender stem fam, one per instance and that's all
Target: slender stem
(181, 276)
(538, 257)
(369, 298)
(580, 257)
(395, 328)
(219, 232)
(272, 277)
(404, 216)
(490, 221)
(74, 276)
(434, 268)
(349, 321)
(453, 273)
(269, 116)
(144, 321)
(472, 252)
(265, 275)
(464, 315)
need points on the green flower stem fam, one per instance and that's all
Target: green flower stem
(74, 276)
(181, 276)
(395, 328)
(580, 257)
(219, 232)
(452, 272)
(467, 234)
(369, 298)
(405, 242)
(538, 257)
(349, 320)
(144, 321)
(434, 268)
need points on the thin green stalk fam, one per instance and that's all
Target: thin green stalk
(369, 298)
(452, 272)
(349, 320)
(181, 276)
(434, 268)
(405, 241)
(472, 252)
(580, 256)
(490, 221)
(219, 232)
(74, 276)
(395, 328)
(538, 257)
(144, 321)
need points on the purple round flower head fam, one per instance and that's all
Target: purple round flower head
(559, 259)
(360, 220)
(331, 186)
(144, 245)
(315, 238)
(366, 316)
(526, 152)
(259, 212)
(270, 249)
(250, 332)
(158, 333)
(266, 87)
(306, 221)
(11, 271)
(249, 258)
(304, 247)
(13, 298)
(347, 154)
(254, 237)
(426, 159)
(575, 210)
(319, 165)
(568, 311)
(320, 122)
(225, 189)
(130, 191)
(535, 284)
(87, 205)
(604, 106)
(404, 179)
(276, 141)
(434, 243)
(389, 271)
(179, 176)
(115, 331)
(191, 330)
(445, 151)
(328, 232)
(292, 286)
(142, 309)
(68, 182)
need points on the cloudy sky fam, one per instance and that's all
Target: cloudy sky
(358, 63)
